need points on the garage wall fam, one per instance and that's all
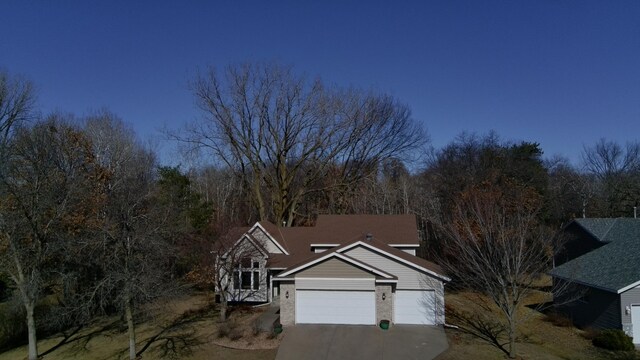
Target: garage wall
(287, 306)
(408, 278)
(334, 268)
(627, 298)
(384, 308)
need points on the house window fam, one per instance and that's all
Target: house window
(245, 280)
(256, 280)
(246, 277)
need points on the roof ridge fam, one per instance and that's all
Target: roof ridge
(282, 237)
(585, 228)
(604, 236)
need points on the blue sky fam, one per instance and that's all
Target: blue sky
(561, 73)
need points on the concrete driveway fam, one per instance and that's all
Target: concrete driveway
(320, 342)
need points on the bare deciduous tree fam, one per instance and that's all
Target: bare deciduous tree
(16, 104)
(607, 158)
(45, 203)
(500, 248)
(617, 174)
(132, 253)
(280, 134)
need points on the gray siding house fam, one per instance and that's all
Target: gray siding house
(347, 269)
(601, 265)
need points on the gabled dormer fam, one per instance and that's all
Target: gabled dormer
(267, 240)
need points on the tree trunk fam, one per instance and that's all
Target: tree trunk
(512, 335)
(257, 194)
(132, 329)
(223, 308)
(31, 328)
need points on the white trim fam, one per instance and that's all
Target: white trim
(324, 245)
(275, 268)
(269, 236)
(386, 280)
(375, 249)
(342, 257)
(282, 279)
(328, 278)
(404, 245)
(628, 287)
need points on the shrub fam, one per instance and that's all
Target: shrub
(223, 330)
(235, 334)
(255, 328)
(229, 330)
(613, 339)
(624, 355)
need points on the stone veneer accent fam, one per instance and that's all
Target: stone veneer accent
(384, 308)
(287, 306)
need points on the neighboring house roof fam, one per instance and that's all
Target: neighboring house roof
(614, 267)
(599, 228)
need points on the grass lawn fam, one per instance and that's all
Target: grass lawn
(188, 329)
(184, 329)
(538, 337)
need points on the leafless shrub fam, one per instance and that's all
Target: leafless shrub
(235, 334)
(255, 327)
(229, 329)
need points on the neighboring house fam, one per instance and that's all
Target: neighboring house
(347, 269)
(601, 264)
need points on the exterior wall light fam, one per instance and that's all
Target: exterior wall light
(286, 294)
(627, 310)
(384, 296)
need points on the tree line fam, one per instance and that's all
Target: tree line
(91, 223)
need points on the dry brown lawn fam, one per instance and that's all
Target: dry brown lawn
(538, 337)
(183, 329)
(188, 321)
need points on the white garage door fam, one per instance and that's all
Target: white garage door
(635, 323)
(335, 307)
(415, 307)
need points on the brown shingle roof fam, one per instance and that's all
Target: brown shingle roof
(390, 229)
(345, 230)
